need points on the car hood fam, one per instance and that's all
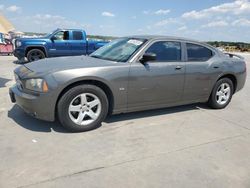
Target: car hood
(32, 39)
(49, 65)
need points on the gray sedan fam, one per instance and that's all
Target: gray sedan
(129, 74)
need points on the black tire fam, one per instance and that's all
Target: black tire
(212, 102)
(35, 54)
(65, 100)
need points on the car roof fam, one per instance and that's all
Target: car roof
(162, 37)
(155, 37)
(67, 29)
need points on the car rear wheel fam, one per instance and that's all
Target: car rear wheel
(35, 54)
(83, 108)
(221, 94)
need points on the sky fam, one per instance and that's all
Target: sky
(222, 20)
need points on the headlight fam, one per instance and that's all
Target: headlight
(18, 82)
(18, 43)
(38, 84)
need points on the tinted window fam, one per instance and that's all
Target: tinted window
(166, 51)
(198, 53)
(77, 35)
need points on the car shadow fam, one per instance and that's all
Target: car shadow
(155, 112)
(19, 62)
(32, 124)
(3, 81)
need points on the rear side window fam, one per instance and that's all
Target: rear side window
(166, 51)
(77, 35)
(198, 53)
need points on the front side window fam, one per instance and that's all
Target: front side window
(119, 50)
(166, 51)
(198, 53)
(77, 35)
(61, 35)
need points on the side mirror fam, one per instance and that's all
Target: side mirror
(53, 38)
(148, 57)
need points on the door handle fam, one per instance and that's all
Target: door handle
(178, 67)
(216, 67)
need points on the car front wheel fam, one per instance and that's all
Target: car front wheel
(35, 54)
(83, 108)
(221, 94)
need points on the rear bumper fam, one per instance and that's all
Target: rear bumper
(39, 107)
(241, 80)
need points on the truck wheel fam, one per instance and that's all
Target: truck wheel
(82, 108)
(222, 94)
(35, 54)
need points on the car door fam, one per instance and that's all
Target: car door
(60, 44)
(78, 43)
(158, 82)
(202, 67)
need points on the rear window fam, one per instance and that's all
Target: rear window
(197, 52)
(77, 35)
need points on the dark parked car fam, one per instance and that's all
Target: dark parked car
(128, 74)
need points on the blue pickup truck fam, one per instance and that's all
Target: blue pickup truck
(61, 42)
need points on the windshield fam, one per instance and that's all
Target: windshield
(49, 34)
(119, 50)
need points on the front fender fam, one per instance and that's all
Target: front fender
(71, 83)
(115, 79)
(35, 44)
(86, 78)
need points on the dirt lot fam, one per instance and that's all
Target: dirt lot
(188, 146)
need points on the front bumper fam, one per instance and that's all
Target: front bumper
(40, 107)
(19, 53)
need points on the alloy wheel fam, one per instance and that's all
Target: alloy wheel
(36, 55)
(223, 93)
(84, 109)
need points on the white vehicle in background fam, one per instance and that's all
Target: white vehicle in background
(221, 49)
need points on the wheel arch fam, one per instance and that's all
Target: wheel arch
(36, 47)
(107, 90)
(232, 77)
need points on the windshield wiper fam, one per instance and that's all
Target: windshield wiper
(106, 58)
